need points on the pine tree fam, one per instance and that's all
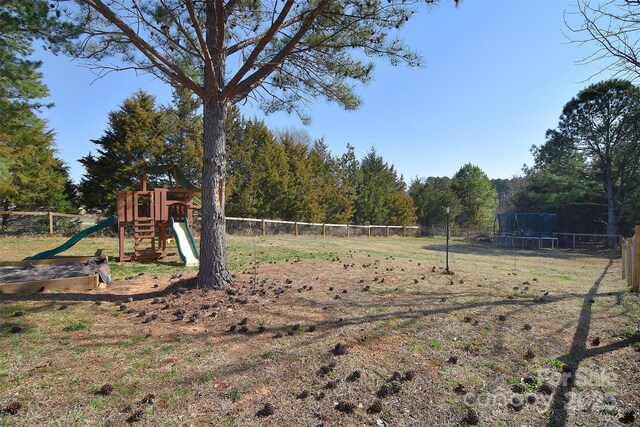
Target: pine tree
(380, 194)
(432, 197)
(335, 199)
(134, 140)
(31, 177)
(184, 134)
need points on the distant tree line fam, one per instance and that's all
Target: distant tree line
(271, 174)
(287, 175)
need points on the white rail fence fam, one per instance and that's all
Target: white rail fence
(27, 222)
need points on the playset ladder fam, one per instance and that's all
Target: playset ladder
(144, 227)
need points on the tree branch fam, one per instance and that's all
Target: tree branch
(162, 63)
(250, 61)
(250, 83)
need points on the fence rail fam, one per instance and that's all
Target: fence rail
(406, 230)
(349, 229)
(631, 260)
(52, 215)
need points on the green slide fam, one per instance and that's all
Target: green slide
(75, 239)
(187, 246)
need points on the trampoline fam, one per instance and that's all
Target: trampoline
(522, 227)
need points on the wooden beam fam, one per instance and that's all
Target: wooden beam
(72, 283)
(46, 261)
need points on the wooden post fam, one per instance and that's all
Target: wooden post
(296, 228)
(387, 231)
(50, 222)
(636, 260)
(369, 230)
(623, 256)
(630, 258)
(324, 230)
(404, 231)
(264, 228)
(347, 230)
(121, 238)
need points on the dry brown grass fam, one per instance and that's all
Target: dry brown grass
(202, 374)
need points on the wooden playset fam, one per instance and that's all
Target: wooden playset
(150, 213)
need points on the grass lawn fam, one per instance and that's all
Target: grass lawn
(333, 332)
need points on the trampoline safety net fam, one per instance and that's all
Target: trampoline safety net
(521, 224)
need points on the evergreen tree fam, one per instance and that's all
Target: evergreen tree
(134, 140)
(560, 182)
(258, 172)
(304, 196)
(506, 191)
(477, 197)
(380, 196)
(31, 177)
(601, 122)
(184, 134)
(432, 197)
(335, 199)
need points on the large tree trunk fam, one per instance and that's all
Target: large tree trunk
(213, 260)
(611, 210)
(213, 257)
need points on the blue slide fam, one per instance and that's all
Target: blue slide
(75, 239)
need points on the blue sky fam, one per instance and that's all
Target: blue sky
(496, 75)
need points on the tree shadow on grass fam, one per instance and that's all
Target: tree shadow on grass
(494, 249)
(577, 353)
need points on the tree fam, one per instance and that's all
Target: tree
(21, 87)
(603, 123)
(337, 203)
(432, 197)
(136, 138)
(477, 197)
(281, 54)
(184, 134)
(380, 194)
(614, 27)
(561, 182)
(507, 190)
(31, 177)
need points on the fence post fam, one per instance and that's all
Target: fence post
(347, 230)
(369, 231)
(623, 256)
(629, 262)
(387, 231)
(264, 228)
(296, 227)
(636, 260)
(324, 230)
(50, 222)
(404, 231)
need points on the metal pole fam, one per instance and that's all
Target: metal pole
(447, 269)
